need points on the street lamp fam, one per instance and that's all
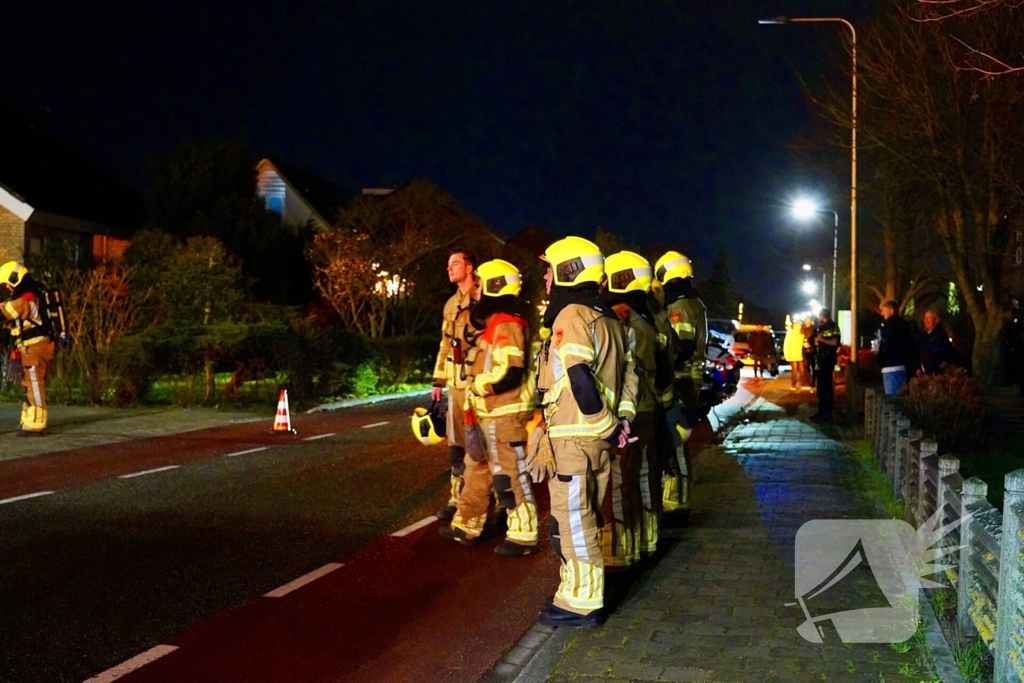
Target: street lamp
(810, 286)
(805, 209)
(808, 267)
(851, 367)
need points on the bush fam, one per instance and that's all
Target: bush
(947, 407)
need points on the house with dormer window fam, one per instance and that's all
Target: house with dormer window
(299, 196)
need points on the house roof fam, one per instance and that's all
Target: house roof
(51, 177)
(322, 195)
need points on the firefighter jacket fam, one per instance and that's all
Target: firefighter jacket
(689, 321)
(643, 341)
(500, 381)
(457, 338)
(27, 317)
(664, 376)
(575, 407)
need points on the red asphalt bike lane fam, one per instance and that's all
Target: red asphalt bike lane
(401, 609)
(76, 467)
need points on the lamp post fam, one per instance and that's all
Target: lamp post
(805, 208)
(808, 267)
(851, 368)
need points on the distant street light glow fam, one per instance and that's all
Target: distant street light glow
(810, 286)
(814, 305)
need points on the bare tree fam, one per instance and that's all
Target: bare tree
(973, 58)
(956, 135)
(382, 261)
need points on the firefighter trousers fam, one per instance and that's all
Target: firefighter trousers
(646, 449)
(505, 471)
(456, 432)
(35, 360)
(583, 467)
(622, 508)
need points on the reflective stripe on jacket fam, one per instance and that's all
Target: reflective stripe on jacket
(25, 309)
(455, 325)
(688, 318)
(501, 347)
(582, 335)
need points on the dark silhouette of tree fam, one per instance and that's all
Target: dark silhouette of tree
(718, 293)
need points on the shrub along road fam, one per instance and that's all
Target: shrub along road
(233, 554)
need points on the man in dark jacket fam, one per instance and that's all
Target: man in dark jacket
(827, 343)
(897, 350)
(936, 349)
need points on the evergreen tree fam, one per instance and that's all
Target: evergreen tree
(718, 293)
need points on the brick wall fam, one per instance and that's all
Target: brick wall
(12, 237)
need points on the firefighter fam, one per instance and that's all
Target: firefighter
(501, 396)
(664, 399)
(457, 338)
(628, 289)
(24, 311)
(687, 317)
(580, 373)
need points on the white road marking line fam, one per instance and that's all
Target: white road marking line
(136, 662)
(144, 472)
(319, 436)
(251, 450)
(303, 580)
(413, 527)
(37, 494)
(376, 424)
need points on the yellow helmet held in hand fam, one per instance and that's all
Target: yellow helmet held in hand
(499, 278)
(628, 272)
(574, 260)
(671, 266)
(428, 424)
(12, 273)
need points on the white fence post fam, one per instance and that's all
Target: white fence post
(974, 491)
(1007, 654)
(899, 460)
(948, 464)
(928, 449)
(911, 462)
(869, 415)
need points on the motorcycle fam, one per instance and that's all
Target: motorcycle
(721, 371)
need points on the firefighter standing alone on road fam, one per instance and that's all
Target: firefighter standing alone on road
(580, 374)
(688, 317)
(457, 337)
(501, 395)
(24, 311)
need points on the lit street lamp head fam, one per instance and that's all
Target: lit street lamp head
(804, 209)
(807, 266)
(810, 287)
(774, 21)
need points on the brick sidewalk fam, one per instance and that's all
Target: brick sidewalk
(712, 606)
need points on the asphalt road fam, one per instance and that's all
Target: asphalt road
(233, 554)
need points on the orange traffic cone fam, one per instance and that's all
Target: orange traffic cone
(283, 419)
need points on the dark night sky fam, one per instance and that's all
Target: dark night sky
(660, 121)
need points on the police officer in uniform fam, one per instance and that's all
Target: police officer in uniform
(25, 315)
(457, 337)
(827, 343)
(580, 374)
(687, 317)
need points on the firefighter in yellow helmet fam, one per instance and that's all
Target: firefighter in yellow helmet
(581, 368)
(637, 502)
(501, 396)
(457, 338)
(24, 311)
(687, 317)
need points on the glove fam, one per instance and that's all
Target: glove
(540, 458)
(476, 446)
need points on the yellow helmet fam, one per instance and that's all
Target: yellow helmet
(428, 425)
(574, 260)
(628, 272)
(498, 278)
(671, 266)
(12, 272)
